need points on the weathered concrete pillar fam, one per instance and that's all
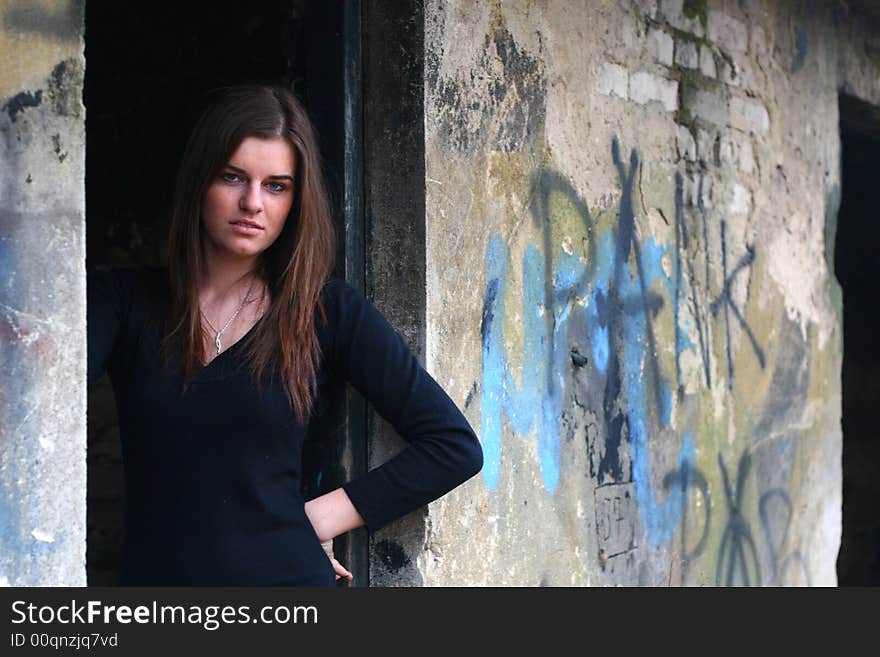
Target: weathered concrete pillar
(42, 294)
(394, 174)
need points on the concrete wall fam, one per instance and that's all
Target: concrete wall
(630, 220)
(42, 295)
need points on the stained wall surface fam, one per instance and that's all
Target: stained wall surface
(630, 221)
(42, 295)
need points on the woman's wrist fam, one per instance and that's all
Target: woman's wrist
(332, 514)
(313, 515)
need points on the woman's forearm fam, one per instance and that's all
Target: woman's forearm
(333, 514)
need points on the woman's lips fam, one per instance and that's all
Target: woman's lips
(246, 227)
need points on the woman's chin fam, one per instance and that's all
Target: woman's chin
(240, 248)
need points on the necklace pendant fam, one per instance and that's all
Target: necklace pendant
(217, 343)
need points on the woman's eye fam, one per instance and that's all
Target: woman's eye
(276, 187)
(230, 177)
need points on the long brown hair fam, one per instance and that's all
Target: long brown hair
(294, 268)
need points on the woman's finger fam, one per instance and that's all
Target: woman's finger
(340, 570)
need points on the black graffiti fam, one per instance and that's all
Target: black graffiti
(682, 243)
(647, 303)
(470, 396)
(736, 542)
(615, 520)
(613, 307)
(780, 563)
(488, 309)
(616, 307)
(724, 299)
(685, 478)
(738, 560)
(729, 305)
(544, 184)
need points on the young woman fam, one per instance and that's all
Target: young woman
(217, 361)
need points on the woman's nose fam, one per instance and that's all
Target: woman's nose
(251, 200)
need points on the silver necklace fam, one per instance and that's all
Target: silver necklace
(217, 333)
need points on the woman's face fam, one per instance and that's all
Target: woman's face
(247, 204)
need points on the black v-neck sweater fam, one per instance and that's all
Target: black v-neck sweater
(213, 476)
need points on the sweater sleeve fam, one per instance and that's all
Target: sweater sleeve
(106, 309)
(443, 450)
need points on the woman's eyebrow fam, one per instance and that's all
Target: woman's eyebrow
(278, 176)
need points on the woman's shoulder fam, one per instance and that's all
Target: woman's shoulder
(335, 286)
(344, 310)
(338, 297)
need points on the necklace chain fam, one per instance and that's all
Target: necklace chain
(217, 333)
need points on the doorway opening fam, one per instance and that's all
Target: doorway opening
(857, 244)
(147, 69)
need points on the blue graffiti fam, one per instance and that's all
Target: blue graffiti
(531, 404)
(660, 518)
(615, 305)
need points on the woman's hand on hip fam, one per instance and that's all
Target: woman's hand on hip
(338, 568)
(331, 515)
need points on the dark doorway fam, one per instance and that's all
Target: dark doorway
(855, 254)
(147, 68)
